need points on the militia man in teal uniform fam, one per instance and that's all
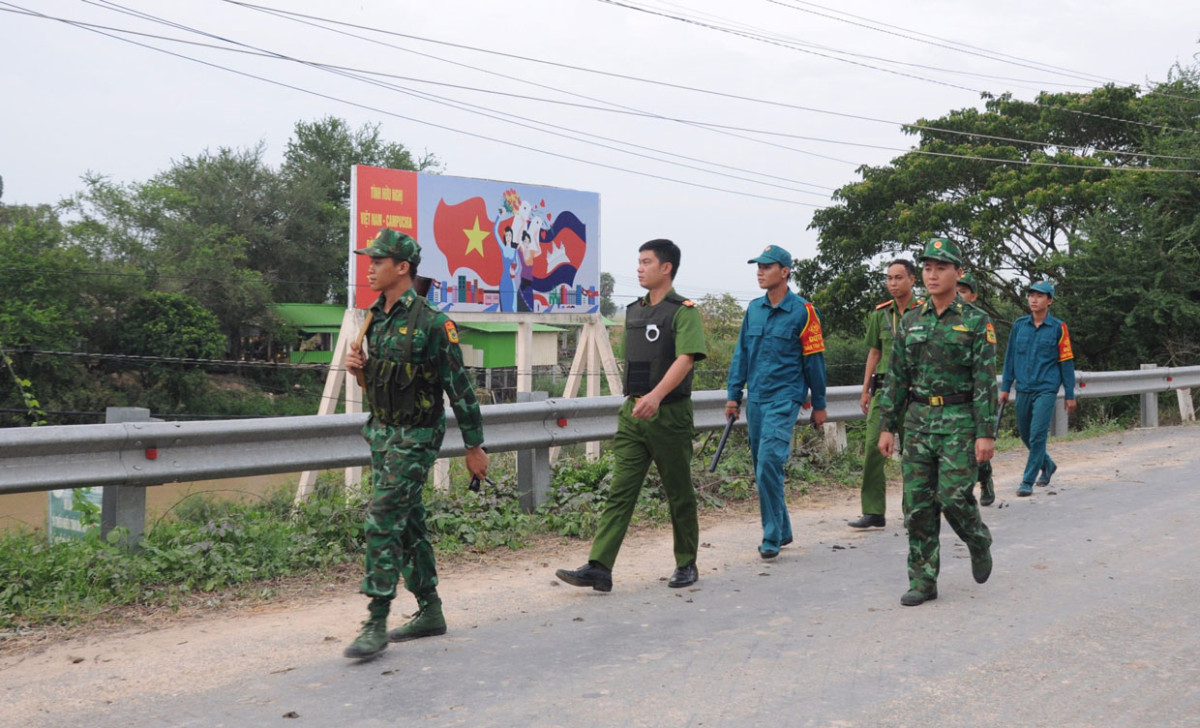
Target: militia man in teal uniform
(942, 382)
(968, 289)
(414, 358)
(664, 337)
(1038, 361)
(779, 360)
(882, 325)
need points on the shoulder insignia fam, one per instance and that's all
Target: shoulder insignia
(920, 302)
(688, 302)
(451, 331)
(991, 334)
(885, 304)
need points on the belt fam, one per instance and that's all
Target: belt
(942, 400)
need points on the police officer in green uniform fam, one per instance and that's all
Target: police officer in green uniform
(882, 325)
(942, 381)
(414, 358)
(969, 290)
(664, 337)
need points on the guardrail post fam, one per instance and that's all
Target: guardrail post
(1187, 412)
(835, 436)
(1149, 404)
(124, 506)
(533, 466)
(1058, 423)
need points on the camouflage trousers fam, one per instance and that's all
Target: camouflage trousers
(397, 539)
(939, 475)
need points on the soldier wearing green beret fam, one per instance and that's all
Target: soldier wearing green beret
(942, 382)
(414, 359)
(969, 290)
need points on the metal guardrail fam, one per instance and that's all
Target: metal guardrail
(152, 453)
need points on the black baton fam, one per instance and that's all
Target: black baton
(999, 414)
(712, 468)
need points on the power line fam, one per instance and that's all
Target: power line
(792, 46)
(859, 117)
(443, 127)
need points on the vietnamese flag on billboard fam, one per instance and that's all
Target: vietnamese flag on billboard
(466, 236)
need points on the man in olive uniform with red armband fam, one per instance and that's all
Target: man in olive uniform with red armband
(664, 337)
(414, 358)
(942, 382)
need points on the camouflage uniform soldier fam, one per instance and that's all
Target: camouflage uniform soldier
(414, 359)
(969, 290)
(944, 367)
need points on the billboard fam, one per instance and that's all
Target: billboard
(486, 245)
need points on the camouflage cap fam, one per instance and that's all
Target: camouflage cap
(968, 280)
(773, 254)
(1043, 287)
(389, 243)
(942, 249)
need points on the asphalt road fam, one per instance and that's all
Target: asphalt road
(1091, 618)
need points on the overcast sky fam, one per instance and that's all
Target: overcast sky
(75, 101)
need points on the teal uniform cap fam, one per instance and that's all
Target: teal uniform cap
(773, 254)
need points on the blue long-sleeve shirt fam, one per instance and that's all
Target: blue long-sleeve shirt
(779, 353)
(1039, 358)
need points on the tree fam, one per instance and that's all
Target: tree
(607, 284)
(1010, 219)
(171, 326)
(722, 316)
(316, 177)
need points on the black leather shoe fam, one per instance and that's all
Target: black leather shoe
(684, 576)
(915, 597)
(981, 566)
(597, 577)
(869, 520)
(767, 553)
(987, 493)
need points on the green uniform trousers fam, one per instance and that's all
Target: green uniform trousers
(666, 440)
(874, 484)
(939, 475)
(396, 537)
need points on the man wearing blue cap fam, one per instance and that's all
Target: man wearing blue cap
(1039, 360)
(779, 360)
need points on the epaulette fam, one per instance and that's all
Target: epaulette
(688, 302)
(885, 304)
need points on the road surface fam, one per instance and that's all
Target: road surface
(1090, 618)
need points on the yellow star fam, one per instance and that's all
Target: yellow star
(475, 238)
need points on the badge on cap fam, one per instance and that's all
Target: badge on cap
(937, 244)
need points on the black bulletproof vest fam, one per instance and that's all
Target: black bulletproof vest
(650, 347)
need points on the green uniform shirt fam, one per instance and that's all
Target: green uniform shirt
(435, 344)
(882, 325)
(939, 356)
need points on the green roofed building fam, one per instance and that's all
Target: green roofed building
(494, 345)
(318, 324)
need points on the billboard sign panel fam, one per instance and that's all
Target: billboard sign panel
(488, 246)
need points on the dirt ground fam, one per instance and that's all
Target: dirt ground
(200, 647)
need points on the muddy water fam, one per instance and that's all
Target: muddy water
(29, 509)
